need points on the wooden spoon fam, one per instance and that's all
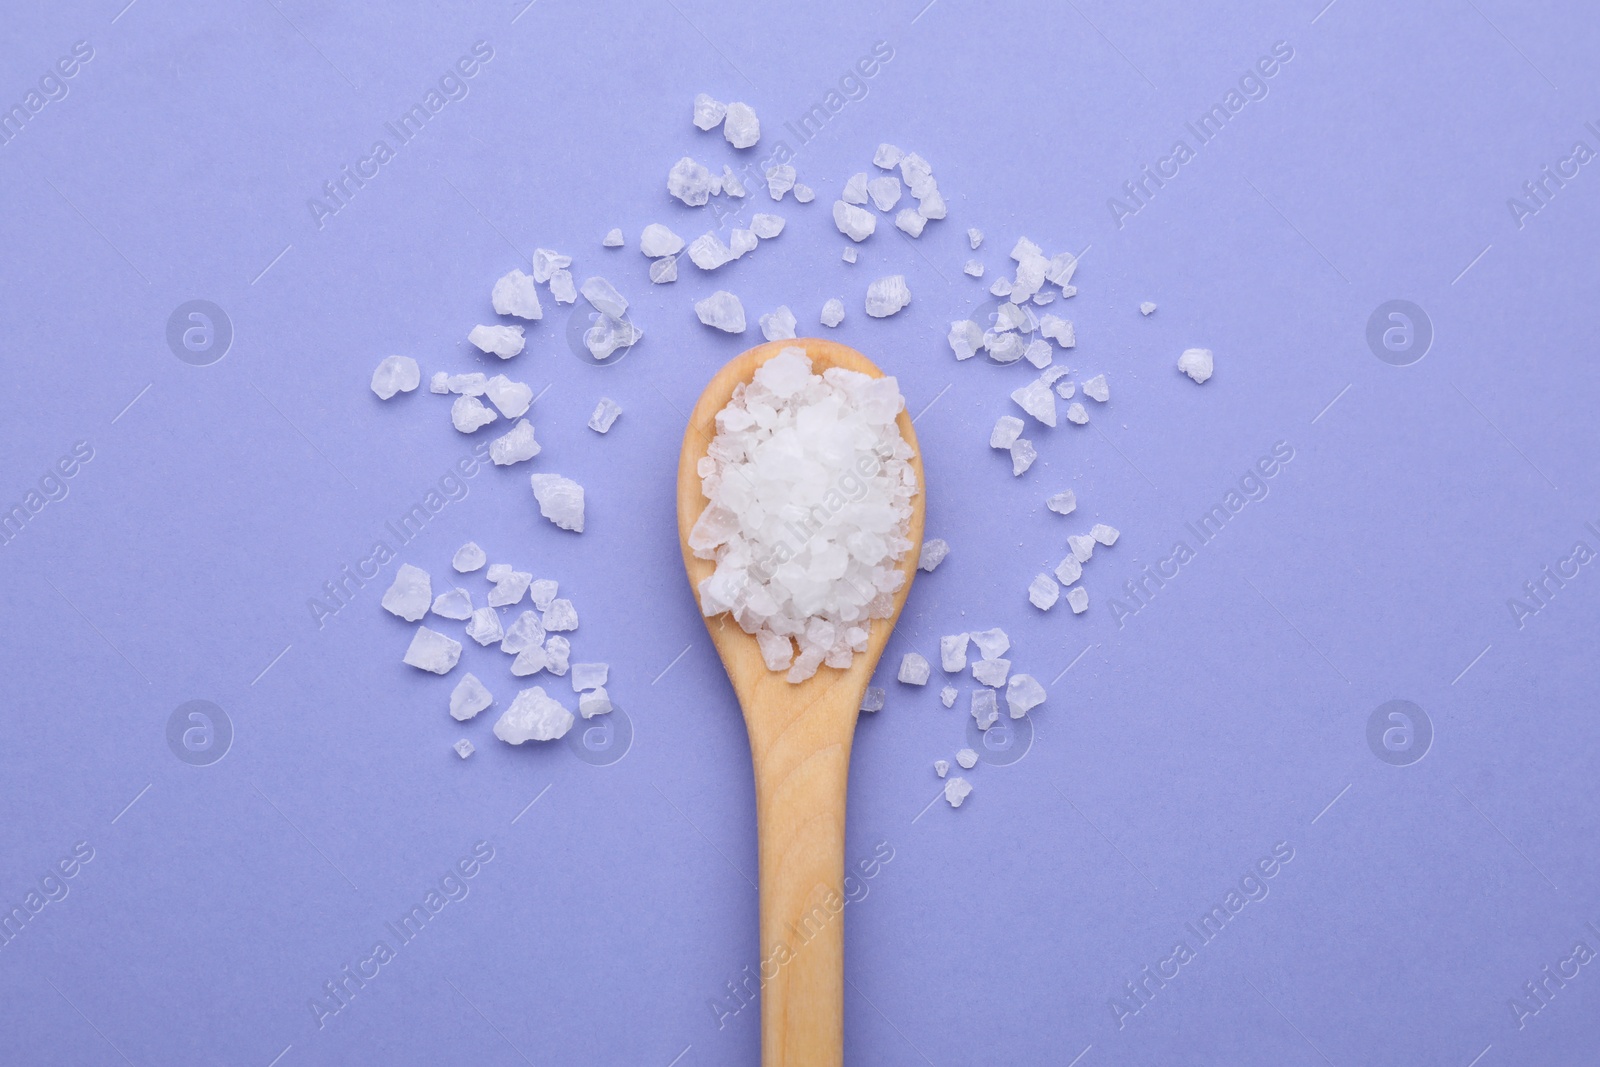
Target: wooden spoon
(800, 738)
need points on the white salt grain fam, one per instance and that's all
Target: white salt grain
(1058, 329)
(508, 588)
(1023, 694)
(515, 445)
(608, 334)
(849, 254)
(854, 222)
(604, 298)
(931, 205)
(742, 241)
(933, 553)
(731, 183)
(1065, 390)
(689, 182)
(1146, 308)
(432, 651)
(516, 294)
(804, 193)
(664, 270)
(887, 296)
(453, 604)
(1097, 388)
(1064, 503)
(474, 384)
(884, 192)
(872, 699)
(560, 616)
(965, 338)
(395, 374)
(1043, 592)
(1006, 431)
(560, 500)
(1077, 413)
(956, 790)
(1038, 353)
(910, 222)
(605, 413)
(1078, 599)
(740, 126)
(469, 557)
(887, 156)
(439, 383)
(558, 651)
(1106, 535)
(855, 190)
(542, 593)
(589, 676)
(484, 626)
(967, 758)
(947, 696)
(546, 263)
(1196, 363)
(914, 669)
(533, 716)
(766, 226)
(833, 312)
(941, 767)
(974, 268)
(723, 311)
(953, 652)
(597, 702)
(1069, 570)
(1082, 547)
(975, 237)
(992, 643)
(530, 660)
(656, 241)
(463, 748)
(1037, 400)
(1022, 456)
(410, 594)
(1003, 346)
(468, 698)
(561, 287)
(991, 672)
(512, 398)
(613, 238)
(780, 180)
(524, 633)
(778, 325)
(503, 341)
(985, 708)
(708, 111)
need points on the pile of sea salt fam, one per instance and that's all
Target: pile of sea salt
(809, 487)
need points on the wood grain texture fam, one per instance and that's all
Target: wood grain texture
(800, 738)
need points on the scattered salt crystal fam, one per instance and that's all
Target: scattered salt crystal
(542, 593)
(664, 270)
(515, 445)
(914, 669)
(432, 651)
(561, 287)
(530, 660)
(991, 643)
(469, 557)
(463, 748)
(975, 237)
(916, 171)
(778, 325)
(453, 604)
(468, 698)
(1065, 390)
(1000, 287)
(956, 790)
(608, 334)
(589, 676)
(525, 633)
(1006, 431)
(855, 190)
(941, 767)
(604, 298)
(410, 594)
(887, 156)
(1023, 694)
(1064, 503)
(512, 398)
(657, 241)
(1077, 413)
(484, 626)
(833, 312)
(560, 500)
(804, 193)
(780, 180)
(1196, 363)
(708, 252)
(1043, 592)
(613, 238)
(849, 254)
(1096, 388)
(439, 383)
(1146, 308)
(395, 374)
(508, 588)
(533, 716)
(953, 652)
(1069, 570)
(974, 268)
(872, 699)
(721, 310)
(947, 696)
(498, 572)
(910, 222)
(1022, 456)
(967, 758)
(985, 708)
(766, 226)
(516, 294)
(560, 616)
(965, 338)
(854, 222)
(1038, 353)
(689, 182)
(930, 204)
(991, 672)
(1044, 296)
(605, 413)
(474, 384)
(1060, 270)
(708, 111)
(1058, 329)
(887, 296)
(1003, 346)
(740, 126)
(742, 241)
(1078, 599)
(503, 341)
(1082, 547)
(731, 183)
(1037, 400)
(557, 651)
(596, 702)
(546, 263)
(884, 192)
(933, 553)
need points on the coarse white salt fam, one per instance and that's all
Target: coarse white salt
(1044, 296)
(547, 262)
(1000, 287)
(533, 716)
(1038, 353)
(395, 374)
(1077, 414)
(595, 702)
(1097, 388)
(512, 398)
(884, 192)
(613, 238)
(1043, 592)
(516, 294)
(992, 643)
(1078, 599)
(722, 311)
(1006, 431)
(664, 270)
(953, 652)
(873, 698)
(469, 557)
(560, 500)
(849, 254)
(1003, 346)
(484, 626)
(589, 676)
(508, 588)
(947, 696)
(1147, 308)
(777, 651)
(468, 414)
(956, 790)
(474, 384)
(975, 237)
(410, 595)
(967, 758)
(464, 748)
(887, 156)
(914, 669)
(708, 111)
(1037, 400)
(498, 572)
(778, 325)
(740, 125)
(804, 193)
(933, 553)
(973, 268)
(432, 651)
(657, 241)
(916, 172)
(854, 222)
(833, 312)
(1063, 503)
(1061, 268)
(604, 298)
(689, 182)
(558, 651)
(780, 180)
(542, 593)
(887, 296)
(985, 707)
(1022, 456)
(515, 445)
(776, 462)
(524, 633)
(1082, 547)
(608, 334)
(766, 226)
(1069, 570)
(560, 616)
(1196, 363)
(530, 660)
(605, 413)
(439, 383)
(561, 287)
(503, 341)
(855, 190)
(910, 222)
(1106, 535)
(1065, 390)
(930, 204)
(1023, 694)
(742, 241)
(1058, 329)
(468, 698)
(732, 185)
(453, 604)
(965, 338)
(941, 767)
(991, 672)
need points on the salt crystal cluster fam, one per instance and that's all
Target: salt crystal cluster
(503, 341)
(533, 716)
(809, 490)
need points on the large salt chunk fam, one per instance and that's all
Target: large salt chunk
(1022, 456)
(1063, 503)
(742, 241)
(1082, 547)
(514, 446)
(525, 633)
(560, 616)
(766, 226)
(561, 287)
(468, 698)
(985, 708)
(1043, 592)
(560, 500)
(657, 241)
(604, 298)
(1037, 352)
(395, 374)
(804, 193)
(605, 413)
(410, 595)
(595, 702)
(1037, 400)
(953, 652)
(508, 587)
(530, 660)
(854, 222)
(516, 294)
(740, 125)
(664, 270)
(453, 604)
(558, 652)
(432, 651)
(1003, 346)
(608, 334)
(833, 312)
(503, 341)
(916, 171)
(1078, 599)
(930, 204)
(474, 384)
(512, 398)
(721, 310)
(484, 626)
(1023, 694)
(780, 179)
(468, 414)
(439, 383)
(1106, 535)
(855, 190)
(777, 650)
(965, 338)
(991, 672)
(884, 191)
(1077, 414)
(887, 296)
(589, 676)
(956, 790)
(1058, 329)
(1196, 363)
(992, 643)
(469, 557)
(690, 182)
(546, 263)
(887, 156)
(533, 716)
(914, 669)
(973, 268)
(910, 222)
(1006, 431)
(708, 111)
(967, 758)
(1096, 388)
(933, 553)
(778, 325)
(1069, 570)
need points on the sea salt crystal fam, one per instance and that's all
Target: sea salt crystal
(1043, 592)
(991, 672)
(854, 222)
(474, 384)
(463, 748)
(664, 270)
(1096, 388)
(910, 222)
(1059, 330)
(967, 758)
(956, 790)
(515, 445)
(604, 298)
(547, 262)
(1043, 297)
(558, 652)
(992, 643)
(605, 413)
(708, 111)
(432, 651)
(884, 192)
(780, 180)
(1000, 287)
(1077, 413)
(1064, 503)
(561, 287)
(503, 341)
(953, 652)
(778, 325)
(1106, 535)
(1037, 400)
(804, 193)
(468, 698)
(933, 553)
(1003, 346)
(596, 702)
(1065, 390)
(1196, 363)
(887, 156)
(974, 237)
(516, 294)
(721, 310)
(589, 676)
(395, 374)
(731, 183)
(1082, 547)
(1022, 456)
(613, 238)
(533, 716)
(1038, 353)
(453, 604)
(560, 616)
(484, 626)
(930, 203)
(742, 241)
(689, 182)
(947, 696)
(965, 338)
(872, 699)
(439, 383)
(656, 241)
(1146, 308)
(469, 557)
(985, 708)
(410, 594)
(833, 312)
(508, 589)
(542, 593)
(777, 651)
(530, 660)
(914, 669)
(1078, 599)
(1023, 694)
(941, 767)
(974, 268)
(766, 226)
(498, 572)
(524, 633)
(1069, 570)
(1006, 431)
(608, 334)
(560, 500)
(887, 296)
(849, 254)
(740, 126)
(512, 398)
(916, 172)
(855, 189)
